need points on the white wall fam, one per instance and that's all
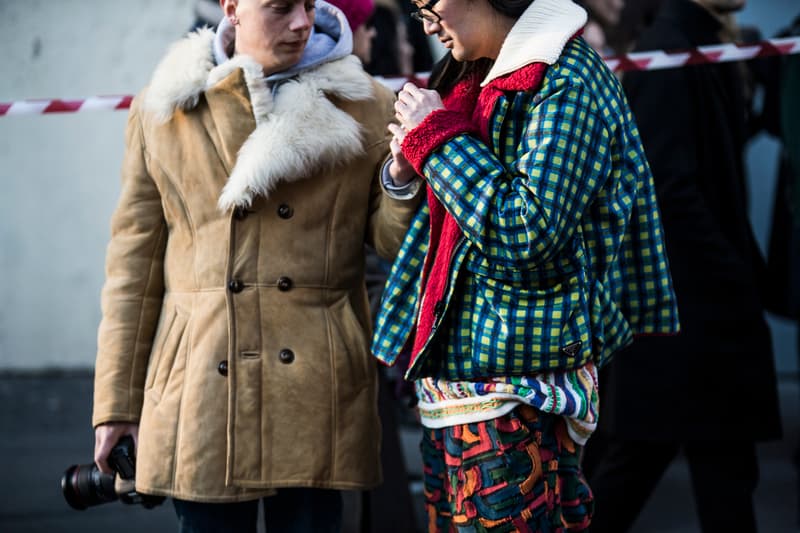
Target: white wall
(60, 173)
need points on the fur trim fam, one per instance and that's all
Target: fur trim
(344, 78)
(288, 143)
(181, 76)
(443, 124)
(435, 129)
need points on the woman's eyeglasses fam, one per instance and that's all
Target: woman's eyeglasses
(426, 13)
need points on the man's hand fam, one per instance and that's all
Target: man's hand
(400, 169)
(106, 437)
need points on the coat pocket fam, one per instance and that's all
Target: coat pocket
(248, 417)
(169, 342)
(350, 339)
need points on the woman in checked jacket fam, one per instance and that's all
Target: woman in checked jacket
(537, 256)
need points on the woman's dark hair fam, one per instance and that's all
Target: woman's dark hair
(447, 72)
(510, 8)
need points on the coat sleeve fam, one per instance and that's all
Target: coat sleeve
(389, 216)
(522, 212)
(133, 289)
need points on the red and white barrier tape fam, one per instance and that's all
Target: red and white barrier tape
(718, 53)
(651, 60)
(37, 107)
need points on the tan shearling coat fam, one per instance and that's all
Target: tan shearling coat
(235, 322)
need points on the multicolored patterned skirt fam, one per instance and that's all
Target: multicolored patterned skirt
(517, 473)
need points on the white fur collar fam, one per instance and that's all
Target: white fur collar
(539, 35)
(298, 129)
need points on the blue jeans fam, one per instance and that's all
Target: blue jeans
(296, 510)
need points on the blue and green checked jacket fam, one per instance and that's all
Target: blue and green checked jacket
(562, 257)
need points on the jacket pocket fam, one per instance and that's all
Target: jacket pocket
(169, 342)
(518, 330)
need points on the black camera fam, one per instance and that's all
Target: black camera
(84, 486)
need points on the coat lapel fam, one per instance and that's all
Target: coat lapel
(300, 133)
(230, 121)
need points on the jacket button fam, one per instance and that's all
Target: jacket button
(235, 285)
(240, 213)
(438, 309)
(284, 283)
(284, 211)
(222, 367)
(286, 356)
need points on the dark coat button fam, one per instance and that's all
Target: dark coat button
(284, 283)
(286, 356)
(222, 367)
(235, 285)
(240, 213)
(284, 211)
(438, 309)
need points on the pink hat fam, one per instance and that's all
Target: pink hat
(356, 11)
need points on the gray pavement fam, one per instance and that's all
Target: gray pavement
(45, 427)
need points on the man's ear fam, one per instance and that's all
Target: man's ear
(228, 7)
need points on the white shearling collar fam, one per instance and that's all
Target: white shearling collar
(539, 35)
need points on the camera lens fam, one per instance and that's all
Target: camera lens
(84, 486)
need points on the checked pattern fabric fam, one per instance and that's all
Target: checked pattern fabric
(562, 258)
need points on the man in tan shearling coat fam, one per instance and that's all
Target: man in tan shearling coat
(234, 340)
